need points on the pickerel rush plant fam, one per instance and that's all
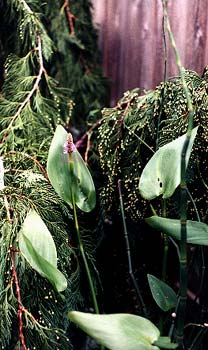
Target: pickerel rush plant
(72, 181)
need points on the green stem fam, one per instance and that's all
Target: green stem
(92, 289)
(131, 273)
(164, 80)
(81, 248)
(183, 251)
(181, 307)
(180, 68)
(166, 245)
(164, 263)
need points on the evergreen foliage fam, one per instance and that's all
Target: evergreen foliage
(50, 75)
(132, 131)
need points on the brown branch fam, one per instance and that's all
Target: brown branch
(85, 65)
(94, 126)
(121, 118)
(34, 160)
(21, 308)
(125, 102)
(70, 17)
(30, 94)
(87, 135)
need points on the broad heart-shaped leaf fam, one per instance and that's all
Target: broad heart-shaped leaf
(118, 331)
(37, 246)
(162, 174)
(69, 174)
(164, 296)
(197, 232)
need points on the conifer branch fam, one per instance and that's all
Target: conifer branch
(34, 160)
(26, 7)
(30, 94)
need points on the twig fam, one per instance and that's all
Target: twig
(70, 17)
(139, 138)
(20, 306)
(34, 160)
(30, 94)
(94, 126)
(85, 65)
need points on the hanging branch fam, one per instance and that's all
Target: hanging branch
(30, 94)
(20, 306)
(70, 17)
(181, 308)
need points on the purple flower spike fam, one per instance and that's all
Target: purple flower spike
(69, 146)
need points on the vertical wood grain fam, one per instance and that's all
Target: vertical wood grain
(131, 42)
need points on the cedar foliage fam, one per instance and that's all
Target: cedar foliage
(134, 129)
(49, 74)
(129, 135)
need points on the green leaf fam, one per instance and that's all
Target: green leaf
(118, 331)
(69, 174)
(35, 230)
(165, 343)
(37, 246)
(164, 296)
(162, 174)
(197, 232)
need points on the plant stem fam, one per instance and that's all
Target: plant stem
(81, 248)
(139, 295)
(183, 251)
(181, 308)
(166, 245)
(164, 79)
(92, 289)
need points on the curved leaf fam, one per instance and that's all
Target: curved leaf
(162, 174)
(58, 166)
(197, 232)
(37, 246)
(164, 296)
(41, 265)
(35, 230)
(69, 174)
(118, 331)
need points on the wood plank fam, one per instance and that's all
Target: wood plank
(131, 41)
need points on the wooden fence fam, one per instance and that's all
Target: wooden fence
(131, 40)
